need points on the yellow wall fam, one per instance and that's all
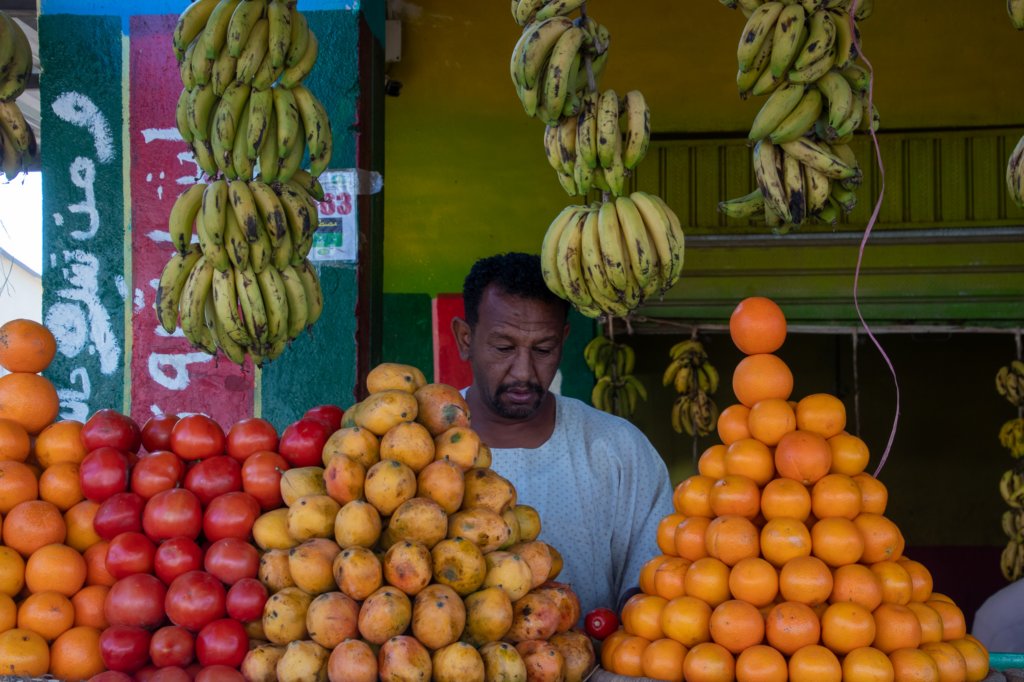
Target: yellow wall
(465, 174)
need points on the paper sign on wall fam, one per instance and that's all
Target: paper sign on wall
(337, 238)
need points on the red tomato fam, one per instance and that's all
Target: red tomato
(329, 414)
(137, 601)
(231, 559)
(246, 599)
(251, 435)
(124, 648)
(176, 556)
(195, 599)
(172, 645)
(222, 642)
(601, 622)
(214, 476)
(171, 513)
(160, 470)
(111, 676)
(103, 472)
(119, 513)
(219, 673)
(230, 516)
(197, 437)
(172, 674)
(156, 432)
(302, 442)
(130, 553)
(112, 429)
(261, 478)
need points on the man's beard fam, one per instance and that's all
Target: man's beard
(517, 410)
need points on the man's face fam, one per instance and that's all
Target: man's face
(515, 350)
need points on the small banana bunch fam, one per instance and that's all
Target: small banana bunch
(246, 286)
(1015, 174)
(803, 56)
(608, 257)
(244, 108)
(616, 390)
(695, 379)
(1011, 437)
(1012, 560)
(598, 147)
(1010, 382)
(1015, 8)
(17, 141)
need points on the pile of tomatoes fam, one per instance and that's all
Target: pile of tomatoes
(178, 518)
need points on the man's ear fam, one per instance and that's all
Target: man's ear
(462, 334)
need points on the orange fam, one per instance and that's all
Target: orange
(931, 621)
(754, 580)
(608, 646)
(732, 424)
(737, 625)
(669, 578)
(708, 579)
(938, 596)
(882, 538)
(691, 496)
(835, 495)
(59, 484)
(712, 461)
(836, 541)
(975, 657)
(953, 624)
(849, 454)
(751, 458)
(88, 603)
(806, 580)
(12, 571)
(770, 420)
(856, 583)
(81, 534)
(920, 578)
(735, 495)
(23, 652)
(914, 665)
(709, 662)
(731, 539)
(46, 613)
(627, 657)
(762, 376)
(663, 660)
(814, 663)
(687, 620)
(896, 627)
(951, 663)
(56, 568)
(96, 565)
(790, 626)
(26, 346)
(783, 538)
(803, 456)
(29, 399)
(8, 613)
(17, 484)
(867, 664)
(75, 655)
(647, 573)
(873, 494)
(761, 663)
(690, 538)
(60, 442)
(641, 615)
(667, 533)
(822, 414)
(757, 325)
(14, 441)
(897, 587)
(33, 524)
(846, 626)
(785, 497)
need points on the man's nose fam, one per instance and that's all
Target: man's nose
(522, 366)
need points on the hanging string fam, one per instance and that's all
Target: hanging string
(867, 231)
(1017, 341)
(856, 386)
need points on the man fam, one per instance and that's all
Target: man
(598, 484)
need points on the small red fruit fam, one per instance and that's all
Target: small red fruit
(601, 622)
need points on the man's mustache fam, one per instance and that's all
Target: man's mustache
(526, 386)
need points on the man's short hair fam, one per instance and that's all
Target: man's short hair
(517, 274)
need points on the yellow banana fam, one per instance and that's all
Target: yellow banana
(190, 23)
(250, 300)
(294, 74)
(241, 24)
(215, 210)
(172, 281)
(298, 307)
(225, 303)
(314, 294)
(183, 216)
(275, 300)
(251, 58)
(279, 17)
(235, 242)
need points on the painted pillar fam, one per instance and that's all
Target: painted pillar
(113, 163)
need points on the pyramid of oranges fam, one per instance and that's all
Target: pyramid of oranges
(779, 562)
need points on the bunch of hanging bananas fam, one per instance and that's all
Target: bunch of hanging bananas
(1015, 174)
(1010, 382)
(616, 389)
(17, 141)
(1011, 437)
(245, 287)
(244, 109)
(1015, 8)
(1011, 561)
(803, 56)
(694, 378)
(608, 257)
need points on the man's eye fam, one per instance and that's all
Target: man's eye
(504, 349)
(543, 351)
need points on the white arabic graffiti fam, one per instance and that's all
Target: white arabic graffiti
(79, 110)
